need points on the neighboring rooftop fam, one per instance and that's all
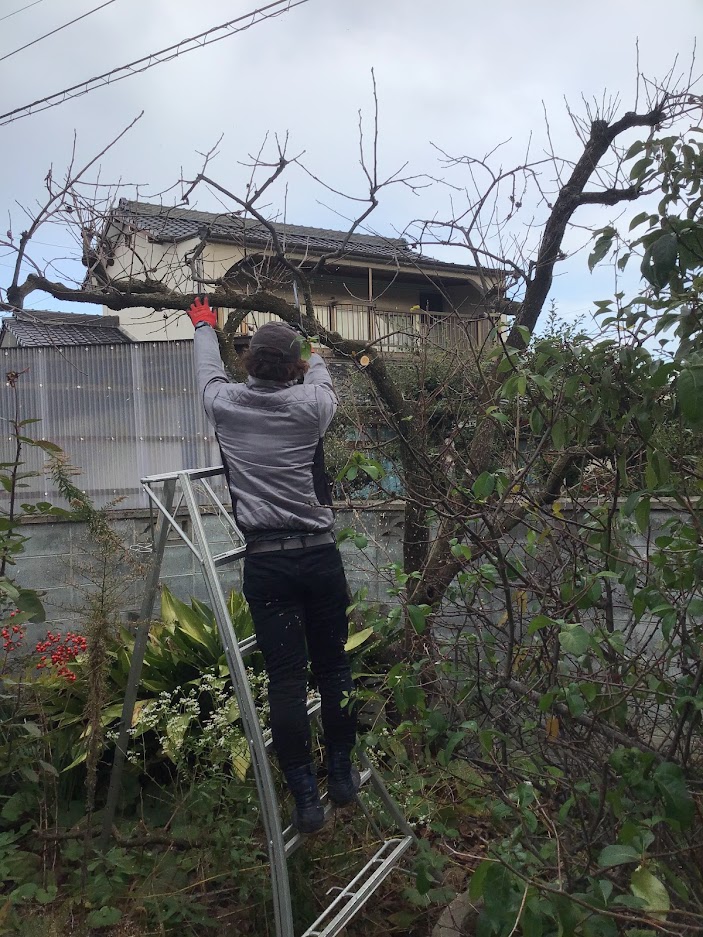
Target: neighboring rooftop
(171, 225)
(33, 328)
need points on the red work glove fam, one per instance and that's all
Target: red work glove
(200, 313)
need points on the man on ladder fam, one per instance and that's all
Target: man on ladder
(270, 432)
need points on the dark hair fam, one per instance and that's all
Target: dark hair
(269, 366)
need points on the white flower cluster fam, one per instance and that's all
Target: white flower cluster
(186, 736)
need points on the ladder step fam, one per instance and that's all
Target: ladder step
(248, 646)
(352, 898)
(293, 839)
(221, 558)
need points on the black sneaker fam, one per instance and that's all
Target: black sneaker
(343, 779)
(308, 814)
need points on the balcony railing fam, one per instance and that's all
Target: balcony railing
(393, 331)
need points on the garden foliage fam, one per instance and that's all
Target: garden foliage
(537, 712)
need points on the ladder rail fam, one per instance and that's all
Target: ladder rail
(252, 727)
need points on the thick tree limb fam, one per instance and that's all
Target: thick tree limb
(570, 196)
(134, 294)
(611, 196)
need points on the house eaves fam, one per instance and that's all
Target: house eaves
(176, 225)
(32, 328)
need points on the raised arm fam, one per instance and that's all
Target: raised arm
(209, 370)
(318, 375)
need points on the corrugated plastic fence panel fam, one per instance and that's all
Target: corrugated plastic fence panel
(119, 412)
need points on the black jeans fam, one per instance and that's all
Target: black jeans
(298, 601)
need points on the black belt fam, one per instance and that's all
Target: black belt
(290, 543)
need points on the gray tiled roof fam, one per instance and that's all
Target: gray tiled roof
(38, 328)
(178, 224)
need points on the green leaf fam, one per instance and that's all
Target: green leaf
(79, 759)
(538, 622)
(418, 617)
(664, 253)
(373, 471)
(639, 219)
(659, 260)
(640, 167)
(601, 247)
(646, 886)
(671, 784)
(47, 446)
(689, 394)
(536, 422)
(498, 897)
(9, 589)
(617, 855)
(189, 622)
(484, 485)
(642, 512)
(104, 917)
(32, 891)
(559, 434)
(176, 729)
(46, 895)
(544, 384)
(478, 879)
(358, 638)
(239, 614)
(574, 639)
(20, 803)
(28, 601)
(241, 757)
(31, 728)
(636, 148)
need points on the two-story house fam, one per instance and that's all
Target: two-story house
(380, 289)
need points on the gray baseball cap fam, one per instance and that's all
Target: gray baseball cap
(277, 337)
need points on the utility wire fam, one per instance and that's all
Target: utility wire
(230, 28)
(57, 30)
(21, 10)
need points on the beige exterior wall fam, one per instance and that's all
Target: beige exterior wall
(139, 259)
(341, 298)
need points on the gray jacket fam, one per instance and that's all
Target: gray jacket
(270, 436)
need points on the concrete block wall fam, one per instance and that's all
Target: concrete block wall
(59, 559)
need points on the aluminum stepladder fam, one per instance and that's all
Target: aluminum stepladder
(169, 494)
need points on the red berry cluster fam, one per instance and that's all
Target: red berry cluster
(12, 636)
(61, 650)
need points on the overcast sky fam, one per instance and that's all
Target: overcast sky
(460, 75)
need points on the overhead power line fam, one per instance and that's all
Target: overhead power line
(21, 10)
(57, 30)
(214, 34)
